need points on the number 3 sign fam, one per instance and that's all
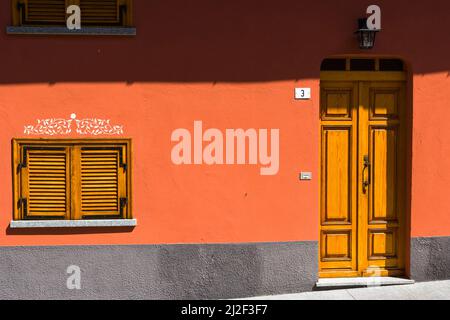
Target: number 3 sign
(302, 93)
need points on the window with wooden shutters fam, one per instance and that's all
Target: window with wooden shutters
(71, 179)
(53, 12)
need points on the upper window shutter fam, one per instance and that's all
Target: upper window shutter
(43, 11)
(100, 12)
(103, 187)
(44, 183)
(53, 12)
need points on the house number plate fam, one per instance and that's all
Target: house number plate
(302, 93)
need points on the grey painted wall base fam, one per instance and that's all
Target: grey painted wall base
(204, 271)
(207, 271)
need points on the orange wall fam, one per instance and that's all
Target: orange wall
(231, 65)
(431, 155)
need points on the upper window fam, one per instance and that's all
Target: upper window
(96, 13)
(71, 179)
(361, 64)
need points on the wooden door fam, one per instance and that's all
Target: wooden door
(362, 205)
(382, 178)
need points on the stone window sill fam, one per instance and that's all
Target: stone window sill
(93, 31)
(21, 224)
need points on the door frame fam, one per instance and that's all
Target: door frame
(405, 76)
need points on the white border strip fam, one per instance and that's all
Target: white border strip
(16, 224)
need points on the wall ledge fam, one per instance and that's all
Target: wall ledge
(93, 31)
(19, 224)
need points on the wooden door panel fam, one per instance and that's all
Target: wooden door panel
(337, 246)
(337, 101)
(384, 103)
(382, 209)
(383, 151)
(382, 243)
(337, 252)
(337, 174)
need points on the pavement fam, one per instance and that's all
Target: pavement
(434, 290)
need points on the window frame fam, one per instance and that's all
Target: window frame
(17, 16)
(18, 145)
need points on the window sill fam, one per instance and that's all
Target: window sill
(21, 224)
(93, 31)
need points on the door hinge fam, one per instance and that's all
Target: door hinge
(123, 8)
(23, 204)
(123, 204)
(21, 9)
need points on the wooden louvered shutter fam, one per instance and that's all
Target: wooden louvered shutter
(100, 12)
(44, 183)
(53, 12)
(106, 12)
(44, 11)
(102, 183)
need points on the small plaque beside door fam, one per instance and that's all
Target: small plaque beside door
(305, 175)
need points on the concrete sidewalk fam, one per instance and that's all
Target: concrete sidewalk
(435, 290)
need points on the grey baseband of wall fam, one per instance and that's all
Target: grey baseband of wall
(185, 271)
(197, 271)
(430, 258)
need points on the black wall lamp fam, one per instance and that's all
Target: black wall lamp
(366, 36)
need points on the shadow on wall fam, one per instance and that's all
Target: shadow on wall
(64, 231)
(223, 41)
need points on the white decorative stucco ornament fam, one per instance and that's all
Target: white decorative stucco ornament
(59, 126)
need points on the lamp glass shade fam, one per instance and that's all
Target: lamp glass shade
(366, 36)
(366, 39)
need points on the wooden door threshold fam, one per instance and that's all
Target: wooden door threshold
(339, 283)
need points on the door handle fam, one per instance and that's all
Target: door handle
(366, 165)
